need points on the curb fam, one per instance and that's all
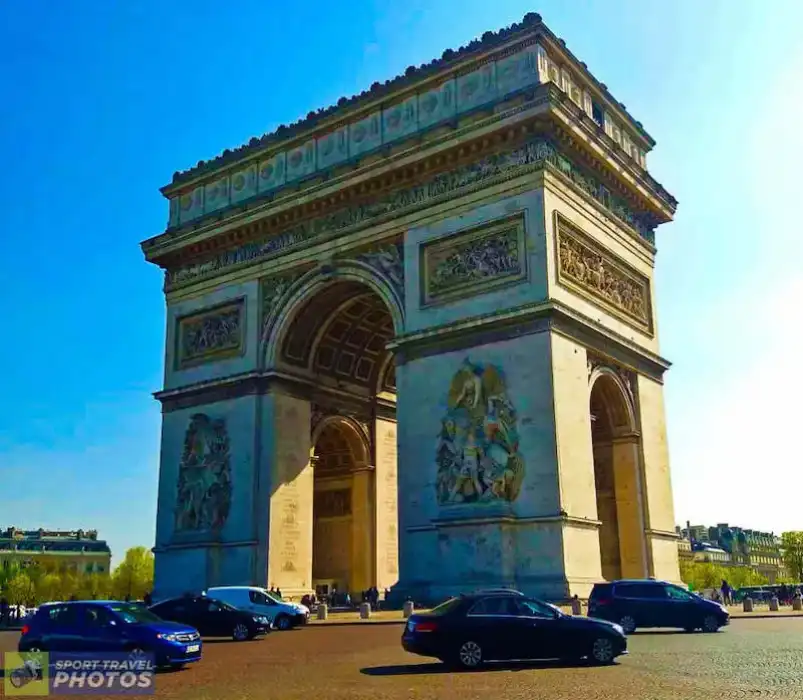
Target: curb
(352, 623)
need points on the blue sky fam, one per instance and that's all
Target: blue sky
(102, 102)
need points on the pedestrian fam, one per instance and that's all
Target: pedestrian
(147, 599)
(726, 593)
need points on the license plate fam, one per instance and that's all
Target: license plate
(192, 648)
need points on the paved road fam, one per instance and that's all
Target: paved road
(752, 658)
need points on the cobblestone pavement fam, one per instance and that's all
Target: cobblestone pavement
(752, 658)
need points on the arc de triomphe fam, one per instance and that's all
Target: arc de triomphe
(411, 341)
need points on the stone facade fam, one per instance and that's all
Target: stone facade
(411, 342)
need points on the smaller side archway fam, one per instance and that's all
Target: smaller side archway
(617, 477)
(343, 531)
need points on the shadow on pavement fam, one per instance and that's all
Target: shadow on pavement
(438, 668)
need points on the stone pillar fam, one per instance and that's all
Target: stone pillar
(362, 530)
(629, 507)
(386, 512)
(286, 455)
(580, 532)
(657, 485)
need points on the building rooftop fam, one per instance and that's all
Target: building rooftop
(65, 541)
(488, 41)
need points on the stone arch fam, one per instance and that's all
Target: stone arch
(343, 521)
(302, 290)
(357, 441)
(616, 445)
(616, 411)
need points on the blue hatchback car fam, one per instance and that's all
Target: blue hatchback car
(109, 626)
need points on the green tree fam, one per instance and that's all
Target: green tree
(792, 545)
(6, 574)
(20, 590)
(94, 586)
(134, 576)
(48, 588)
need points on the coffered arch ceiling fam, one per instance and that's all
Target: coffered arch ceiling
(342, 333)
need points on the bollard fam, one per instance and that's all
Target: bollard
(577, 606)
(323, 611)
(797, 603)
(748, 605)
(365, 611)
(409, 608)
(774, 604)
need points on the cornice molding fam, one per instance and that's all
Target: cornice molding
(493, 45)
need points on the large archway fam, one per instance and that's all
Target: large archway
(335, 337)
(617, 480)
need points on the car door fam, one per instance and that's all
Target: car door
(61, 632)
(537, 633)
(216, 617)
(641, 601)
(680, 608)
(97, 631)
(491, 623)
(261, 604)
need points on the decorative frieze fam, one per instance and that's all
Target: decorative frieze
(211, 335)
(585, 267)
(474, 262)
(484, 172)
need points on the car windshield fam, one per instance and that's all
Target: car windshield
(222, 605)
(445, 607)
(134, 614)
(272, 596)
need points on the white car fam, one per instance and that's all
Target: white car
(282, 614)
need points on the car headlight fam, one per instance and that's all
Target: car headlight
(619, 629)
(260, 619)
(167, 637)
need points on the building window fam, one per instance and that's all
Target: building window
(597, 113)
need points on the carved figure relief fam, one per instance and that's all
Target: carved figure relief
(273, 289)
(585, 265)
(389, 260)
(477, 455)
(210, 335)
(499, 166)
(470, 262)
(204, 477)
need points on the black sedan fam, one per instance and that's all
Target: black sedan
(471, 629)
(212, 618)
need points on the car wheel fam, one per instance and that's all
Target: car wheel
(710, 624)
(283, 622)
(469, 655)
(602, 651)
(628, 623)
(240, 632)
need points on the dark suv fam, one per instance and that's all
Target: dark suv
(649, 603)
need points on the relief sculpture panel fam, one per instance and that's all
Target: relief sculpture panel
(211, 335)
(204, 477)
(585, 267)
(474, 262)
(477, 456)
